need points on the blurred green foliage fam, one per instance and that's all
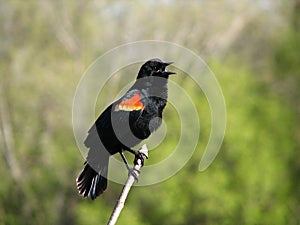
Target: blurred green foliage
(252, 48)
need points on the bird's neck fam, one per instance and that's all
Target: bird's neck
(155, 86)
(158, 88)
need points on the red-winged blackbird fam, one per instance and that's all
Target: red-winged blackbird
(123, 125)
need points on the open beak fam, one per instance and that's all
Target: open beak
(167, 63)
(168, 72)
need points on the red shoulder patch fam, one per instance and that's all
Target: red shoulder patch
(131, 104)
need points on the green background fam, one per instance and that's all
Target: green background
(253, 48)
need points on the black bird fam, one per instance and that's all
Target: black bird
(123, 125)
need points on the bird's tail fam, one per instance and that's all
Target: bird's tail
(90, 183)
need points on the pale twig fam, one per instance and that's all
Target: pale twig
(121, 201)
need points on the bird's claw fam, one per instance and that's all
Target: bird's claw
(134, 172)
(139, 156)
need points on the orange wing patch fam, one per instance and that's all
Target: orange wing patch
(133, 103)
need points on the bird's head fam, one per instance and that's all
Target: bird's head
(154, 67)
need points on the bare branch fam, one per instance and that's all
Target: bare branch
(121, 201)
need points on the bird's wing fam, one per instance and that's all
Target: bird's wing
(104, 120)
(133, 100)
(114, 122)
(103, 123)
(125, 115)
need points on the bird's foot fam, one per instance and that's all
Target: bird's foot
(139, 156)
(134, 172)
